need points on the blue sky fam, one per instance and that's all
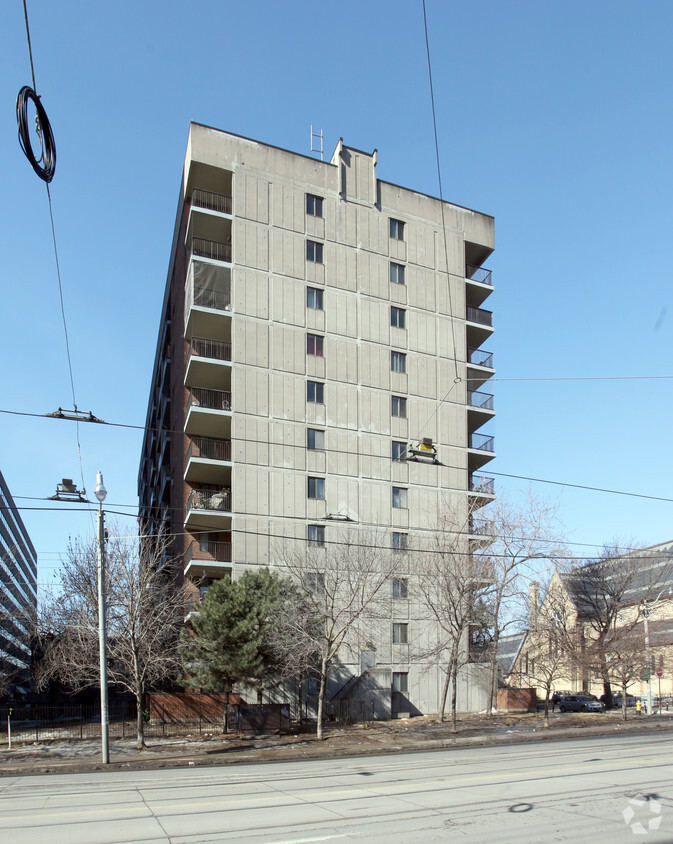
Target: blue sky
(554, 117)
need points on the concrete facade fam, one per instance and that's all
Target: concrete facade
(319, 368)
(18, 595)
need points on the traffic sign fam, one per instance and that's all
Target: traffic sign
(660, 672)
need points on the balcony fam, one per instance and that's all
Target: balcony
(479, 274)
(211, 201)
(208, 460)
(479, 367)
(480, 357)
(478, 284)
(482, 485)
(208, 560)
(480, 409)
(481, 533)
(209, 363)
(481, 449)
(208, 412)
(211, 249)
(479, 326)
(208, 509)
(207, 300)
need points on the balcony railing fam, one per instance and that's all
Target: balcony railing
(210, 399)
(480, 357)
(211, 249)
(481, 442)
(218, 300)
(480, 527)
(214, 349)
(482, 484)
(484, 401)
(479, 315)
(211, 551)
(200, 499)
(211, 201)
(483, 276)
(209, 448)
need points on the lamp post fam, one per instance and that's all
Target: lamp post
(101, 493)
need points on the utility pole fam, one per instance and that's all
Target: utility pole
(101, 493)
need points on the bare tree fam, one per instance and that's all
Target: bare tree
(602, 592)
(145, 609)
(521, 537)
(342, 585)
(549, 645)
(451, 582)
(625, 660)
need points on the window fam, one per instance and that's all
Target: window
(316, 536)
(396, 229)
(397, 317)
(313, 205)
(399, 497)
(400, 634)
(399, 450)
(398, 407)
(396, 273)
(314, 251)
(314, 298)
(315, 439)
(400, 541)
(314, 345)
(400, 681)
(400, 587)
(398, 362)
(315, 392)
(315, 581)
(316, 488)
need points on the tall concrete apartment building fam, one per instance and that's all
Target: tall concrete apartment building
(319, 367)
(18, 595)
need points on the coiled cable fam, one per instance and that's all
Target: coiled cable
(45, 165)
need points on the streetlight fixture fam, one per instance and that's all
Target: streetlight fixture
(101, 494)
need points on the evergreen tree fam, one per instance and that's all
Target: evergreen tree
(229, 644)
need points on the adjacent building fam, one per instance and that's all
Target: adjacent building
(18, 595)
(320, 366)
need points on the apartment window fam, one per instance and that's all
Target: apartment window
(315, 392)
(316, 488)
(315, 439)
(397, 317)
(400, 541)
(399, 450)
(399, 497)
(315, 581)
(398, 407)
(313, 205)
(314, 251)
(398, 362)
(314, 343)
(400, 681)
(400, 587)
(396, 229)
(316, 536)
(400, 633)
(396, 273)
(314, 298)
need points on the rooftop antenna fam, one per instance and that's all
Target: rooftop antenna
(317, 138)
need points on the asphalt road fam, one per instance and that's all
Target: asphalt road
(576, 790)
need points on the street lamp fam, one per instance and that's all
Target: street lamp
(101, 494)
(646, 621)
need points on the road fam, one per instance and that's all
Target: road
(540, 792)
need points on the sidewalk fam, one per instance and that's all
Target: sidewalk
(377, 738)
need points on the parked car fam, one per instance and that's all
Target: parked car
(617, 701)
(557, 696)
(581, 703)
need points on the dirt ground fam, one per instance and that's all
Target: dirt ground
(423, 733)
